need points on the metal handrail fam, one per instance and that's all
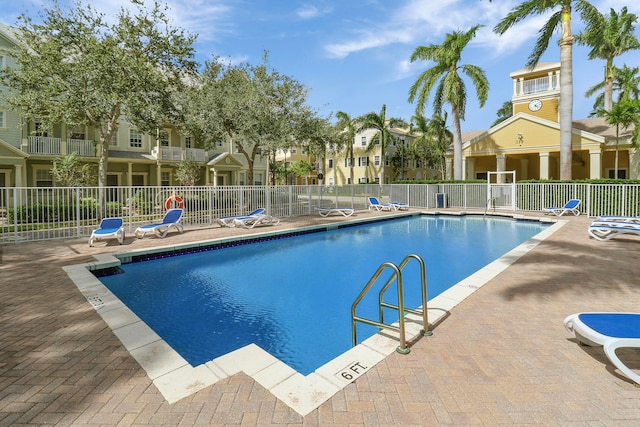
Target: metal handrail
(397, 276)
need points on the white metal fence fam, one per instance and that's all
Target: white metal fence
(29, 214)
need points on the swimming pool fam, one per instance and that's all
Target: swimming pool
(292, 296)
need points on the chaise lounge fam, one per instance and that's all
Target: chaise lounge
(604, 230)
(610, 330)
(251, 221)
(325, 212)
(229, 221)
(570, 207)
(171, 220)
(375, 204)
(108, 228)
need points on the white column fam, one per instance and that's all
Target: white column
(544, 165)
(524, 169)
(515, 87)
(595, 163)
(501, 161)
(19, 177)
(471, 167)
(550, 82)
(634, 163)
(129, 174)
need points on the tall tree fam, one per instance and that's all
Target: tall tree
(448, 83)
(624, 115)
(383, 135)
(503, 113)
(432, 139)
(75, 68)
(560, 18)
(626, 83)
(349, 128)
(609, 36)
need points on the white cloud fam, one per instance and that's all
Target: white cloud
(307, 11)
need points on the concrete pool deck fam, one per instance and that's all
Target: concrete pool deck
(501, 356)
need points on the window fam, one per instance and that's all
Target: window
(363, 161)
(77, 134)
(219, 143)
(40, 130)
(386, 160)
(135, 139)
(348, 162)
(363, 180)
(165, 178)
(114, 139)
(622, 173)
(257, 178)
(376, 160)
(363, 141)
(2, 119)
(377, 141)
(187, 142)
(164, 138)
(304, 151)
(44, 178)
(294, 151)
(329, 163)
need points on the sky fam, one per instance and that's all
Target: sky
(354, 55)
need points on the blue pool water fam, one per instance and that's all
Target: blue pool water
(292, 296)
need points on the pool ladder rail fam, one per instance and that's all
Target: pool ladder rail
(397, 277)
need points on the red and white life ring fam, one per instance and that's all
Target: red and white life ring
(176, 199)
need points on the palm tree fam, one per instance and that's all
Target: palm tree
(448, 83)
(349, 127)
(609, 36)
(560, 18)
(626, 82)
(432, 141)
(383, 136)
(624, 114)
(503, 113)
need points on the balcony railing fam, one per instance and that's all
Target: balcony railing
(177, 154)
(50, 146)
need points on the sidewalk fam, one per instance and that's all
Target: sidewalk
(501, 357)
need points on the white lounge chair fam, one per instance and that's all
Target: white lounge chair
(171, 220)
(251, 221)
(325, 212)
(570, 207)
(108, 228)
(375, 204)
(229, 221)
(399, 206)
(607, 230)
(610, 330)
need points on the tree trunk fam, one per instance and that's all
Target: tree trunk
(457, 144)
(566, 94)
(608, 87)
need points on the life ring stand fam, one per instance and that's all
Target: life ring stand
(172, 199)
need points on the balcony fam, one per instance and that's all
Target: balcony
(49, 146)
(177, 154)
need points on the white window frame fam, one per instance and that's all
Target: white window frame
(187, 142)
(363, 180)
(363, 161)
(329, 163)
(3, 118)
(376, 160)
(135, 135)
(165, 177)
(363, 141)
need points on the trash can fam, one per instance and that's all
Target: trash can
(441, 200)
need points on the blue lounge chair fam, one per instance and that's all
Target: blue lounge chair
(109, 227)
(325, 212)
(610, 330)
(229, 221)
(375, 204)
(570, 207)
(250, 221)
(606, 230)
(171, 220)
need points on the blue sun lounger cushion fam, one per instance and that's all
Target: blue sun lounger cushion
(171, 220)
(611, 330)
(109, 228)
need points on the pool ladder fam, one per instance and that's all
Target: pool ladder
(397, 277)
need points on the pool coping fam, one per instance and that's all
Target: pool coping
(175, 378)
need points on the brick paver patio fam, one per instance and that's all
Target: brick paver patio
(501, 357)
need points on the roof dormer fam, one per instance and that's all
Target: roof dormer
(536, 91)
